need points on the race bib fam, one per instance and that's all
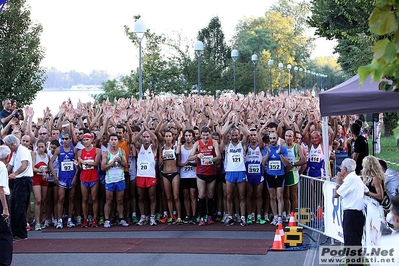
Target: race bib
(67, 166)
(274, 165)
(43, 170)
(315, 158)
(207, 160)
(254, 168)
(188, 168)
(236, 158)
(87, 167)
(144, 165)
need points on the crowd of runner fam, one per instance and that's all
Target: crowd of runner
(174, 160)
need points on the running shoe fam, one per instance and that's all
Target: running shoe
(229, 221)
(198, 219)
(279, 220)
(186, 220)
(79, 221)
(267, 219)
(85, 223)
(107, 224)
(170, 220)
(158, 217)
(164, 219)
(123, 223)
(128, 220)
(225, 216)
(210, 221)
(28, 227)
(38, 227)
(135, 219)
(101, 221)
(218, 218)
(94, 223)
(70, 223)
(179, 221)
(60, 224)
(142, 221)
(249, 220)
(54, 221)
(243, 222)
(193, 220)
(47, 224)
(274, 222)
(202, 222)
(259, 220)
(90, 218)
(152, 221)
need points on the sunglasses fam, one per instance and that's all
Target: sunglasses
(43, 133)
(65, 138)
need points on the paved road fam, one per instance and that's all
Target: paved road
(307, 258)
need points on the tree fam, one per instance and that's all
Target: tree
(214, 60)
(161, 71)
(21, 76)
(268, 38)
(347, 22)
(385, 63)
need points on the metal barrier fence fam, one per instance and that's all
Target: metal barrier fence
(310, 204)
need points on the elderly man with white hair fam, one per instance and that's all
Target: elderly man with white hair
(352, 190)
(21, 170)
(6, 244)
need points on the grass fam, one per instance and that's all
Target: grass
(389, 151)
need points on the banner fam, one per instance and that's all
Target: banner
(333, 212)
(374, 217)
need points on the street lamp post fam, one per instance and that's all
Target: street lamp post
(139, 30)
(296, 77)
(289, 78)
(234, 56)
(280, 66)
(300, 74)
(199, 49)
(270, 63)
(254, 60)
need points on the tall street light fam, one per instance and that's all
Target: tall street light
(289, 78)
(270, 63)
(254, 60)
(199, 49)
(139, 30)
(296, 77)
(280, 66)
(234, 56)
(300, 74)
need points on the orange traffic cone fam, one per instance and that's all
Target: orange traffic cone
(292, 221)
(281, 229)
(277, 245)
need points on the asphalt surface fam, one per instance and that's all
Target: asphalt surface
(306, 257)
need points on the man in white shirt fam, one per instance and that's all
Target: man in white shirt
(21, 170)
(6, 244)
(352, 190)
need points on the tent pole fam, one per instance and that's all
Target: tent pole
(325, 146)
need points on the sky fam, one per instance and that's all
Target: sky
(86, 35)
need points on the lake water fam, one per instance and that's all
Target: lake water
(54, 99)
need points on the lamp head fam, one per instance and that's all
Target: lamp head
(254, 58)
(139, 28)
(234, 55)
(270, 63)
(280, 65)
(198, 48)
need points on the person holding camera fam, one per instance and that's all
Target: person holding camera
(7, 114)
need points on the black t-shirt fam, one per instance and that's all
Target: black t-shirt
(362, 148)
(4, 114)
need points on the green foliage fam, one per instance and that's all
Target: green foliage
(390, 122)
(347, 22)
(21, 76)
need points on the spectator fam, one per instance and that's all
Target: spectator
(6, 243)
(391, 179)
(360, 147)
(373, 177)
